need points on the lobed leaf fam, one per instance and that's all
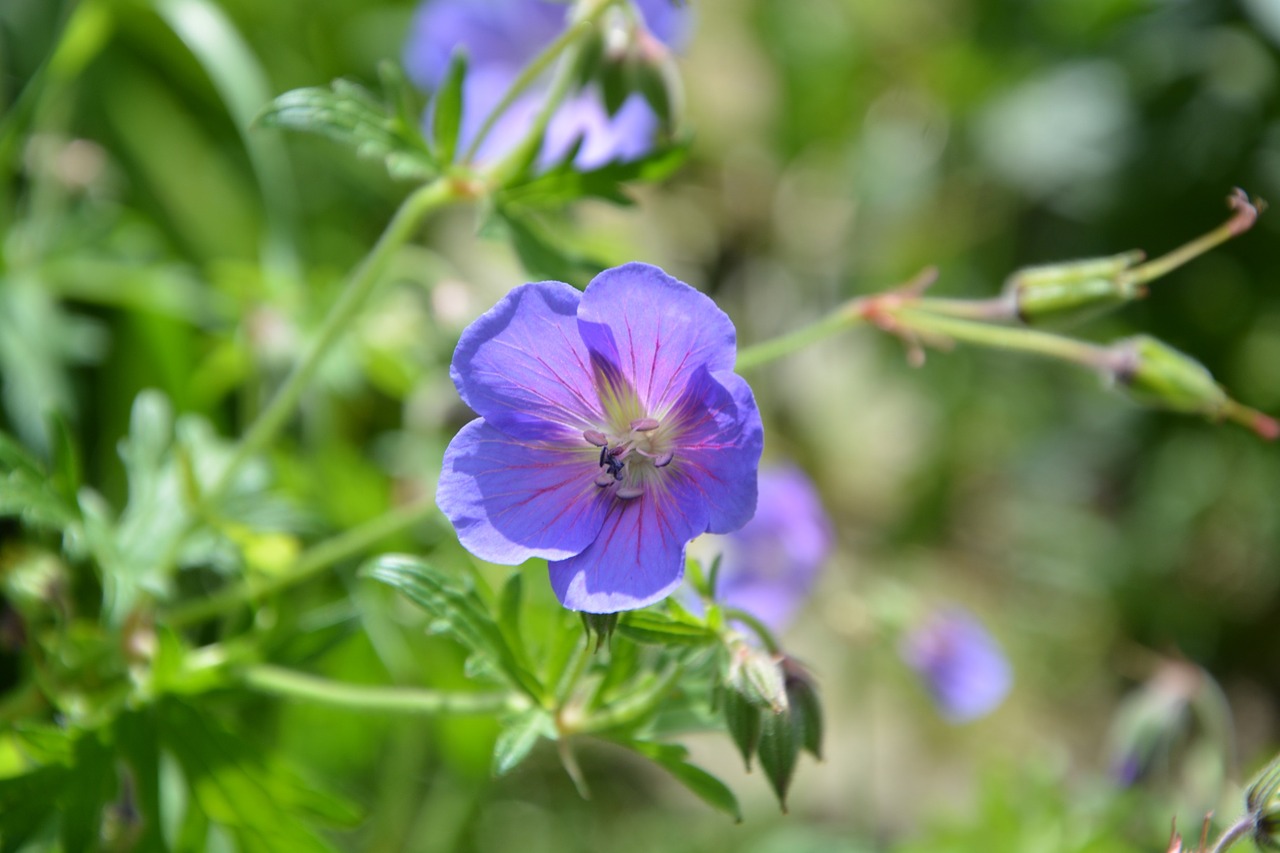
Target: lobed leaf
(519, 736)
(458, 611)
(350, 115)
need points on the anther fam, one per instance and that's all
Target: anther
(626, 493)
(594, 436)
(663, 460)
(605, 479)
(645, 424)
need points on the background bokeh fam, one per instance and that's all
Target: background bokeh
(1121, 556)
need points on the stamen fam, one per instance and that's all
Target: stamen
(604, 479)
(626, 493)
(659, 460)
(645, 424)
(594, 436)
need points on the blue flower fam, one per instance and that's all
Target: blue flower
(768, 567)
(500, 38)
(612, 431)
(961, 664)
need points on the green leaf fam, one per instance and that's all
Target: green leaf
(519, 736)
(350, 115)
(458, 611)
(707, 787)
(653, 628)
(446, 116)
(542, 254)
(28, 493)
(262, 803)
(563, 184)
(781, 736)
(87, 790)
(743, 720)
(28, 803)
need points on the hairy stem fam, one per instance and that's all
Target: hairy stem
(356, 292)
(764, 352)
(314, 561)
(403, 700)
(1233, 833)
(1002, 337)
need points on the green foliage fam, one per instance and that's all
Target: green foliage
(351, 116)
(166, 263)
(457, 610)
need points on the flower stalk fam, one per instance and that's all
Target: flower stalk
(346, 545)
(286, 683)
(360, 285)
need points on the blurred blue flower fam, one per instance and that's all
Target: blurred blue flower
(961, 664)
(768, 567)
(612, 431)
(500, 38)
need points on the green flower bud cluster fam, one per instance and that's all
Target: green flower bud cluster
(771, 708)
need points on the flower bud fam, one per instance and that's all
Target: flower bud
(781, 738)
(1155, 374)
(757, 676)
(1263, 802)
(802, 697)
(1075, 291)
(742, 718)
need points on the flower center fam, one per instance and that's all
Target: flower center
(631, 459)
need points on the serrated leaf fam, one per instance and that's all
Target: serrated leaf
(446, 108)
(458, 609)
(519, 736)
(705, 786)
(653, 628)
(350, 115)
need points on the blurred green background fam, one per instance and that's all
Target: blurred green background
(152, 240)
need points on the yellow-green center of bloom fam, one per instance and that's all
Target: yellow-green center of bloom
(631, 457)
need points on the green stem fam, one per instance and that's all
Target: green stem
(531, 73)
(1233, 834)
(842, 318)
(362, 283)
(1246, 213)
(757, 627)
(404, 700)
(314, 561)
(628, 708)
(1002, 337)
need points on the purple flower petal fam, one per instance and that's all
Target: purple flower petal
(505, 33)
(659, 331)
(626, 135)
(719, 438)
(961, 664)
(569, 462)
(770, 565)
(638, 556)
(511, 500)
(524, 368)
